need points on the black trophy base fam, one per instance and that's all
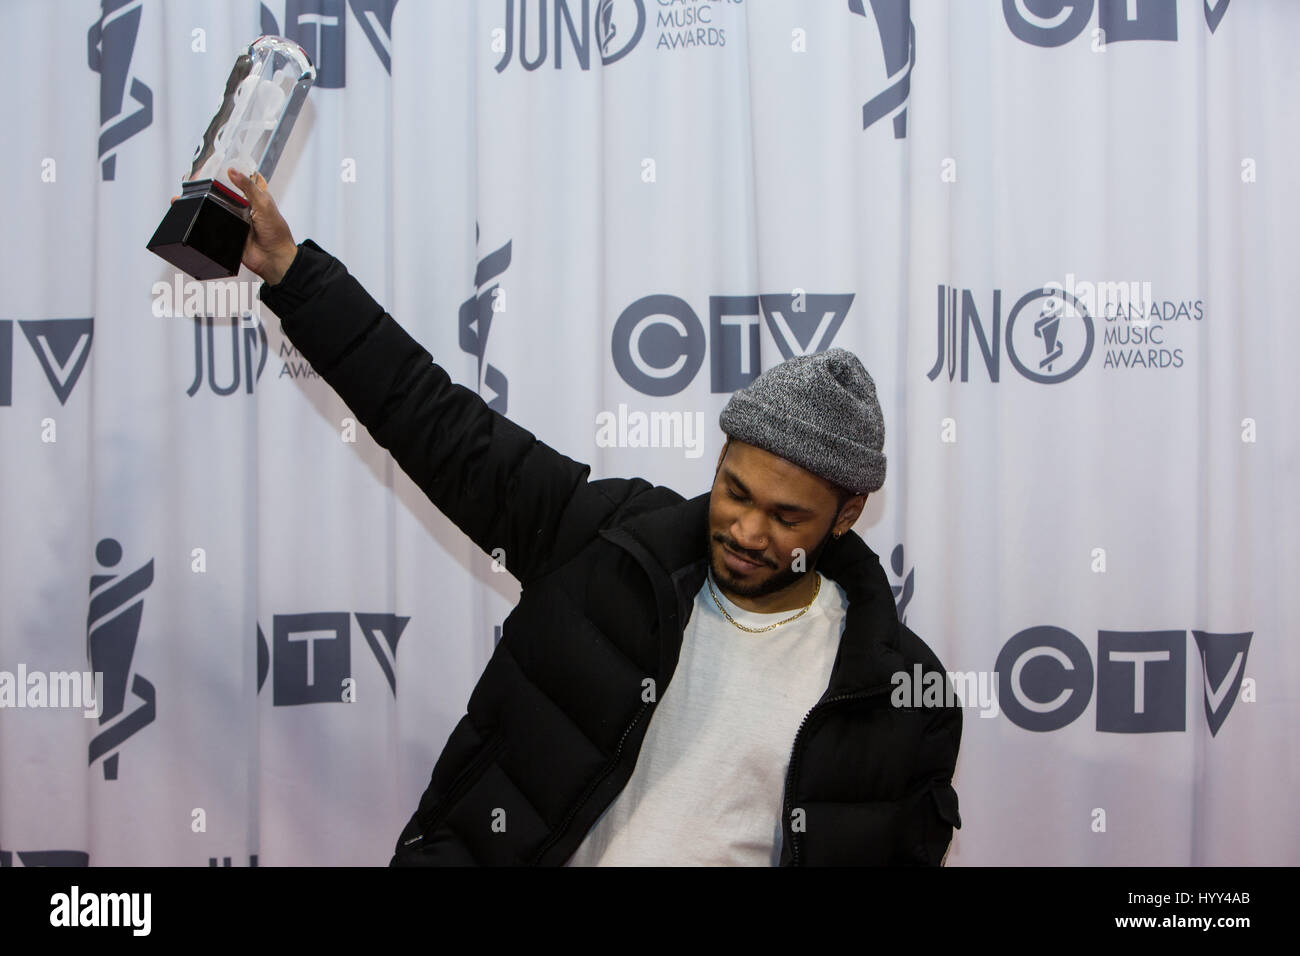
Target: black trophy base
(204, 231)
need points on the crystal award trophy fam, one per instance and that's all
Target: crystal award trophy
(205, 230)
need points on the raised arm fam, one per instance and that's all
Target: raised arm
(500, 485)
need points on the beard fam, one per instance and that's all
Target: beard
(776, 582)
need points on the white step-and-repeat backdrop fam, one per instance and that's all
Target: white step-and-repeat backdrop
(1059, 233)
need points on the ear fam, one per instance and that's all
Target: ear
(849, 513)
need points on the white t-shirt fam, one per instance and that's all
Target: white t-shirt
(709, 779)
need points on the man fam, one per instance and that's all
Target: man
(703, 681)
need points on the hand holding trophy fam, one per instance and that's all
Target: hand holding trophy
(205, 231)
(270, 249)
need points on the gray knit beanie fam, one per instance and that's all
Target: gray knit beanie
(818, 411)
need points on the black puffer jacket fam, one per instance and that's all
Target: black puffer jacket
(609, 572)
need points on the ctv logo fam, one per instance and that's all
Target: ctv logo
(44, 858)
(320, 28)
(1049, 23)
(309, 658)
(659, 343)
(1046, 678)
(62, 346)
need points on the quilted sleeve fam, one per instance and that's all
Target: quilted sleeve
(497, 482)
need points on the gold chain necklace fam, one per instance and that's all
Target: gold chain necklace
(759, 630)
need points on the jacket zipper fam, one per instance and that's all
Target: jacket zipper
(458, 787)
(624, 540)
(794, 759)
(559, 831)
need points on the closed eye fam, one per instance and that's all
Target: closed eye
(736, 497)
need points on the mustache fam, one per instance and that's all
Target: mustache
(756, 558)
